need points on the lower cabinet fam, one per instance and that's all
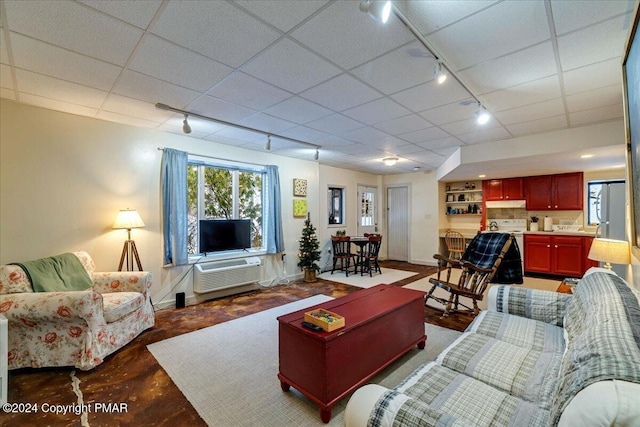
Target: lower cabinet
(557, 255)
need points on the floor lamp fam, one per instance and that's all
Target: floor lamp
(128, 219)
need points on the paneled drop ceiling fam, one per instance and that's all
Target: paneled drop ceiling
(322, 71)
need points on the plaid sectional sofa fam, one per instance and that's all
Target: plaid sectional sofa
(535, 358)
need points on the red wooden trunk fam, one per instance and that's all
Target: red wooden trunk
(381, 324)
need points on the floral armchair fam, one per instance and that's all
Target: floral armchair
(74, 328)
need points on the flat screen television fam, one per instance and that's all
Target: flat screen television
(224, 234)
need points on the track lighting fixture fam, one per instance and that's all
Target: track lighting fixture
(390, 161)
(317, 156)
(378, 10)
(185, 125)
(438, 74)
(268, 146)
(482, 115)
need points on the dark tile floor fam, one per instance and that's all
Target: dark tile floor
(132, 375)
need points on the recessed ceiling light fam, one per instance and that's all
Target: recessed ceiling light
(587, 156)
(482, 176)
(390, 161)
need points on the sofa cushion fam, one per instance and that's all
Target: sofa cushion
(519, 331)
(468, 399)
(118, 305)
(14, 280)
(521, 372)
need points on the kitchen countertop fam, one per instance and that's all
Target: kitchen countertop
(467, 233)
(562, 233)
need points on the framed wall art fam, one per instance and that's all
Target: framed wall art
(299, 187)
(299, 208)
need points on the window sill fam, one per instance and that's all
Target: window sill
(193, 259)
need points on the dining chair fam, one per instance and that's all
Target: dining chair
(341, 246)
(456, 243)
(369, 255)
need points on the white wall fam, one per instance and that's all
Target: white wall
(63, 179)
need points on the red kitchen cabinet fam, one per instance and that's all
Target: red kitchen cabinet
(554, 192)
(503, 189)
(557, 255)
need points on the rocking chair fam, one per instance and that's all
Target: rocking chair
(479, 265)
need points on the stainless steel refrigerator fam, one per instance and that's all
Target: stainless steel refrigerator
(612, 223)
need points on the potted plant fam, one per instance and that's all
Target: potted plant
(534, 223)
(309, 252)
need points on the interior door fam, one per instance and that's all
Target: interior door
(367, 216)
(398, 223)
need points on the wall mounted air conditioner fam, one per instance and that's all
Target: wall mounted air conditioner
(225, 274)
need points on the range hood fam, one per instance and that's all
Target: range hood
(513, 204)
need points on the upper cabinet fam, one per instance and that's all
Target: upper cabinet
(554, 192)
(503, 189)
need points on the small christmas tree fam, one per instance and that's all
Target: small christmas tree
(309, 253)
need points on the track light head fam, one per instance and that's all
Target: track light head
(379, 10)
(185, 125)
(438, 74)
(482, 115)
(317, 155)
(268, 145)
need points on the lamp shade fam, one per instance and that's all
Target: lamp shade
(610, 251)
(128, 219)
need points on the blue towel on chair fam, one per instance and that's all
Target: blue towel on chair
(484, 250)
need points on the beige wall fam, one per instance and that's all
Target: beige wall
(63, 179)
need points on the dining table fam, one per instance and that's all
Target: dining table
(360, 242)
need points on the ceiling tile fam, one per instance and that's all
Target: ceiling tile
(467, 126)
(526, 93)
(56, 105)
(136, 108)
(215, 29)
(540, 125)
(127, 120)
(49, 87)
(431, 16)
(175, 126)
(608, 95)
(509, 70)
(485, 135)
(424, 135)
(75, 27)
(282, 14)
(243, 89)
(605, 73)
(4, 55)
(553, 107)
(198, 126)
(594, 44)
(405, 150)
(395, 145)
(266, 123)
(219, 109)
(6, 80)
(404, 124)
(575, 14)
(430, 95)
(290, 66)
(341, 92)
(445, 151)
(451, 112)
(335, 123)
(333, 141)
(150, 89)
(298, 110)
(441, 143)
(498, 30)
(304, 133)
(353, 38)
(187, 69)
(380, 110)
(240, 134)
(7, 93)
(402, 68)
(595, 115)
(43, 58)
(364, 134)
(138, 13)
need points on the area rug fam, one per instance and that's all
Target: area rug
(228, 371)
(388, 276)
(425, 286)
